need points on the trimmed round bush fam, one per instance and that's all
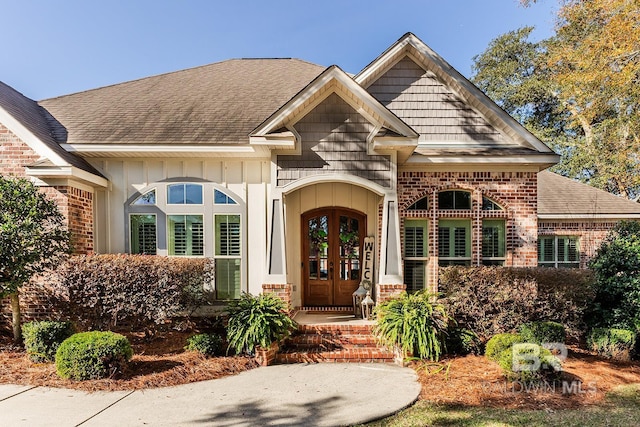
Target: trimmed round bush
(92, 355)
(462, 341)
(618, 344)
(42, 339)
(543, 332)
(207, 344)
(499, 343)
(528, 362)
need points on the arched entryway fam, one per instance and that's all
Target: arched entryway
(331, 241)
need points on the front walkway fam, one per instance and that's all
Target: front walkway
(300, 394)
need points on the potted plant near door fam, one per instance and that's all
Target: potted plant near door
(257, 324)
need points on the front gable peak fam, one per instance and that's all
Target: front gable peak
(277, 131)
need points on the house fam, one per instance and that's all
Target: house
(301, 179)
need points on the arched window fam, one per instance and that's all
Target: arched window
(454, 199)
(192, 219)
(420, 205)
(490, 205)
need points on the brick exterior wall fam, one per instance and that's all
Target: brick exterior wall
(281, 290)
(387, 291)
(75, 204)
(516, 192)
(590, 234)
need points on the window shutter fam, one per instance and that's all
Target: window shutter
(460, 242)
(147, 238)
(414, 242)
(443, 241)
(180, 238)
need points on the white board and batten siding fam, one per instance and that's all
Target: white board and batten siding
(248, 179)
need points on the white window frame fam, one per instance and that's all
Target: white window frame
(208, 209)
(131, 230)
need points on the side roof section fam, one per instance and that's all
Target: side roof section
(563, 198)
(37, 128)
(219, 103)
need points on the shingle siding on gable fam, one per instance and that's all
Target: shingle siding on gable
(334, 140)
(429, 107)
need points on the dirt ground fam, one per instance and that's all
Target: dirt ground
(158, 363)
(477, 381)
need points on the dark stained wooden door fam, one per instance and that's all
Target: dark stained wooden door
(332, 241)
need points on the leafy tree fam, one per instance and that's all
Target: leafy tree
(617, 269)
(33, 238)
(578, 90)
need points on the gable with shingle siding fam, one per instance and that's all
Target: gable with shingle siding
(334, 140)
(430, 107)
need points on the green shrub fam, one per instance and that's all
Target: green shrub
(144, 293)
(617, 271)
(92, 355)
(414, 323)
(542, 332)
(499, 343)
(462, 341)
(528, 362)
(41, 339)
(257, 321)
(207, 344)
(492, 300)
(618, 344)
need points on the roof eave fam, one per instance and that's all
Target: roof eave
(589, 216)
(68, 172)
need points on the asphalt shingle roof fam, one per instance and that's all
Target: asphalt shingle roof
(217, 103)
(40, 123)
(558, 195)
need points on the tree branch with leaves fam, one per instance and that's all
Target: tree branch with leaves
(33, 238)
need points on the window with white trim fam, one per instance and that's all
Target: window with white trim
(227, 256)
(192, 219)
(558, 251)
(454, 242)
(416, 253)
(144, 234)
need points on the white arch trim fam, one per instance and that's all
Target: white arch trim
(342, 178)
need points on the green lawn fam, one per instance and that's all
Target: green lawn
(621, 408)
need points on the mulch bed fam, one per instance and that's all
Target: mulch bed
(159, 362)
(469, 380)
(476, 381)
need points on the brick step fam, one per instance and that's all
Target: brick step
(360, 355)
(329, 329)
(330, 341)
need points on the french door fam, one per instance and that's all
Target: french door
(332, 241)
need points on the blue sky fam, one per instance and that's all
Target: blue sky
(54, 48)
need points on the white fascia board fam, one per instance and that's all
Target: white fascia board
(26, 136)
(394, 143)
(274, 142)
(141, 148)
(70, 172)
(546, 159)
(586, 216)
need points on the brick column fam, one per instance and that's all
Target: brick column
(388, 291)
(281, 290)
